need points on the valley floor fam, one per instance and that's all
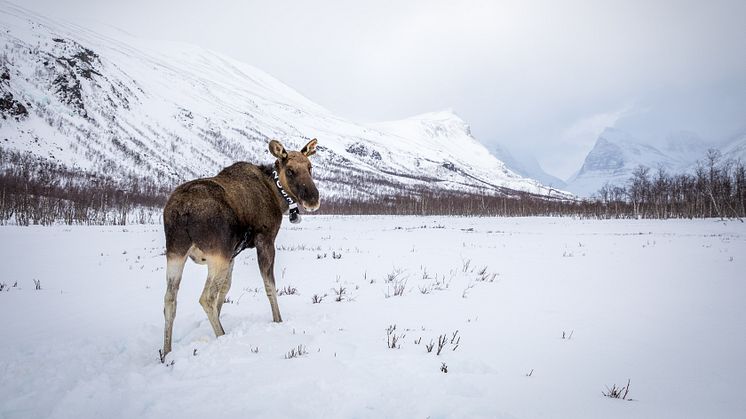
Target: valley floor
(660, 303)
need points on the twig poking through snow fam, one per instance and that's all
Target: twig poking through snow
(466, 290)
(442, 339)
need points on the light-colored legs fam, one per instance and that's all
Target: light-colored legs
(217, 285)
(265, 251)
(174, 270)
(219, 278)
(226, 287)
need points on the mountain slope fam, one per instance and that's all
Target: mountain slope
(616, 154)
(736, 149)
(166, 112)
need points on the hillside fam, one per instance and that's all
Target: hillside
(145, 112)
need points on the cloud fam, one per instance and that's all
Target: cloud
(588, 129)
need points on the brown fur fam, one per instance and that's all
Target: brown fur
(212, 220)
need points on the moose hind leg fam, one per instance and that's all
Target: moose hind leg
(265, 251)
(225, 288)
(217, 273)
(174, 270)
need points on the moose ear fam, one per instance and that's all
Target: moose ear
(277, 150)
(310, 148)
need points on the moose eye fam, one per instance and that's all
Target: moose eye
(289, 172)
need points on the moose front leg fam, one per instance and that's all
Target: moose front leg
(265, 251)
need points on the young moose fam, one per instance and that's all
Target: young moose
(212, 220)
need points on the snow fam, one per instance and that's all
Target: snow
(656, 302)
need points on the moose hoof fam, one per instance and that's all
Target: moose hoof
(162, 354)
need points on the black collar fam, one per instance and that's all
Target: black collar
(293, 211)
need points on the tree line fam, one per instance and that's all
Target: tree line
(38, 191)
(716, 188)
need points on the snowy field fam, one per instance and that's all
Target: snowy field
(659, 303)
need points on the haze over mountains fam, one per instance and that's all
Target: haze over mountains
(165, 112)
(527, 165)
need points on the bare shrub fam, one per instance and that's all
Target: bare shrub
(392, 339)
(441, 283)
(396, 289)
(288, 290)
(317, 299)
(394, 275)
(296, 352)
(484, 276)
(341, 293)
(617, 392)
(443, 341)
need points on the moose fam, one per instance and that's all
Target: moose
(211, 220)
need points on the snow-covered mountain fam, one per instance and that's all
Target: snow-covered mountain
(527, 166)
(736, 149)
(616, 154)
(123, 107)
(685, 147)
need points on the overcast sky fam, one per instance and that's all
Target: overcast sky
(539, 76)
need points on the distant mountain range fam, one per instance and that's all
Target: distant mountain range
(121, 107)
(616, 154)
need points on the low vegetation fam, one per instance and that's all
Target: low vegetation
(39, 191)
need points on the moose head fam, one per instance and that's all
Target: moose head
(294, 170)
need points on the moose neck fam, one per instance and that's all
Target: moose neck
(290, 202)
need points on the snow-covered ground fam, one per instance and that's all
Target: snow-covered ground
(660, 303)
